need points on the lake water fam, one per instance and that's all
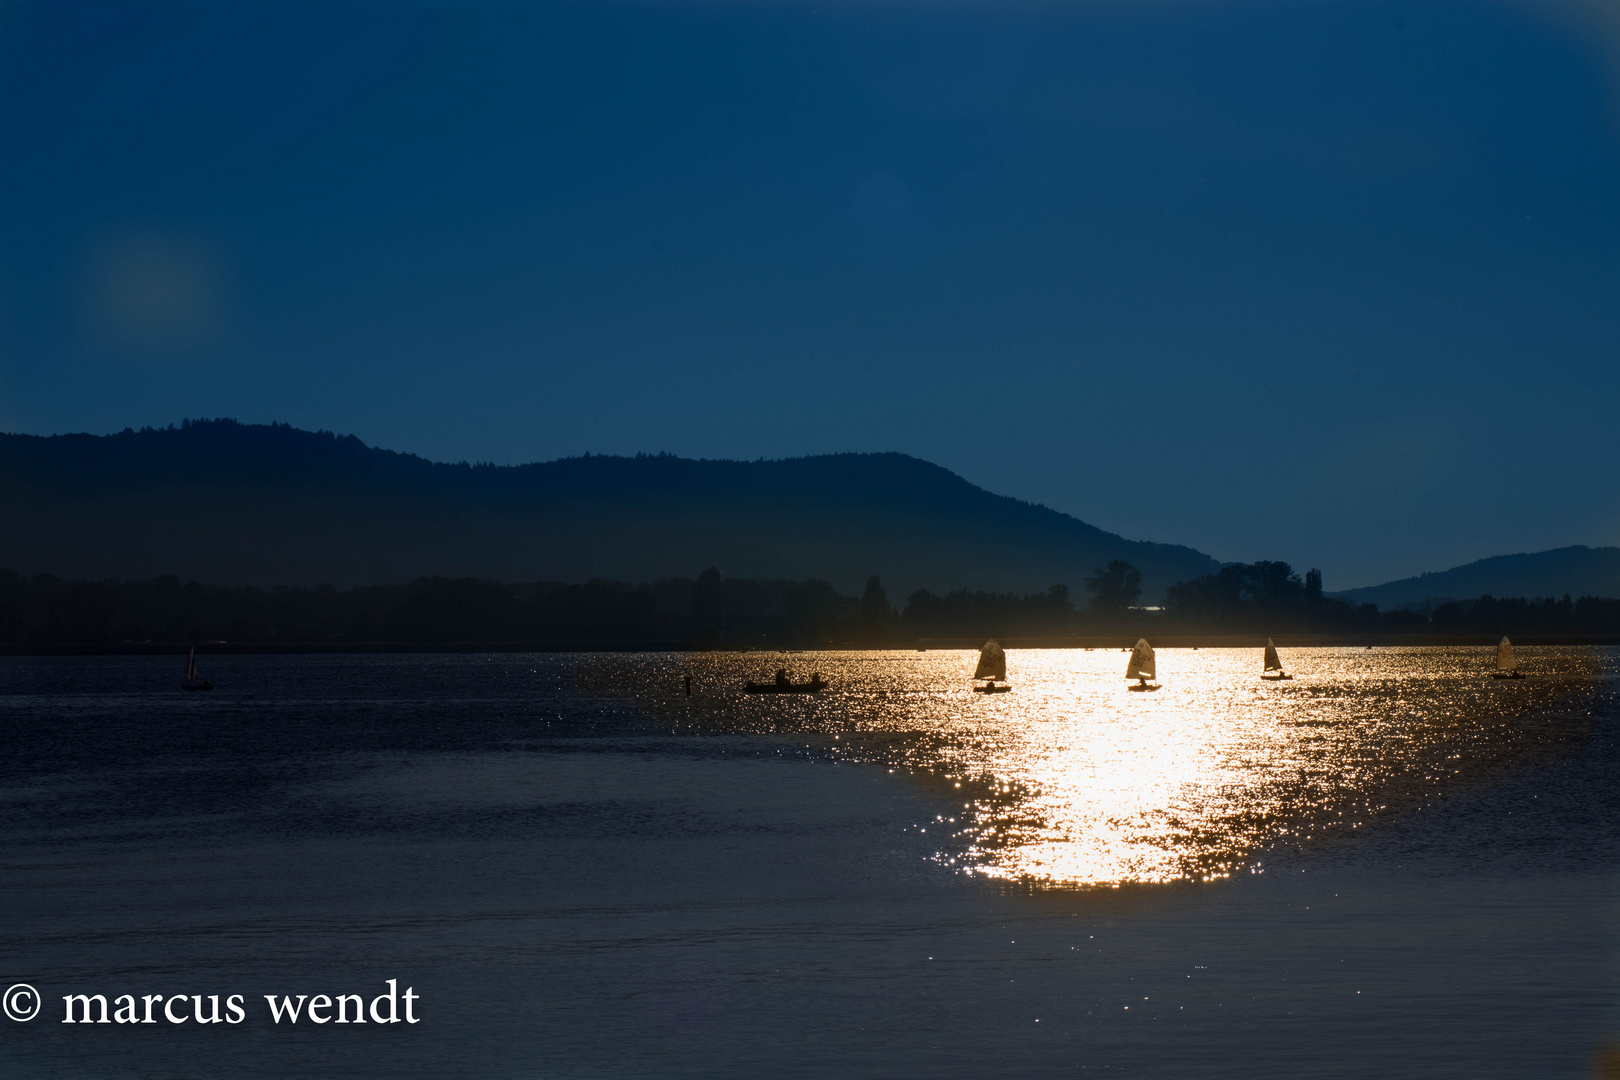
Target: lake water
(1390, 866)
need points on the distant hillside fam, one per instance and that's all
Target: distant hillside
(1578, 571)
(235, 504)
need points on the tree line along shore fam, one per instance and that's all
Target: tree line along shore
(1238, 604)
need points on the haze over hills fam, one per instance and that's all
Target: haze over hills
(234, 504)
(1578, 571)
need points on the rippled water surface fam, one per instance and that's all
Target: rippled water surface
(1389, 866)
(1073, 779)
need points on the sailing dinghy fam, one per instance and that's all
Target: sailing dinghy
(992, 668)
(192, 682)
(1507, 665)
(1141, 667)
(1273, 668)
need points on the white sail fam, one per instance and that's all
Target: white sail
(1505, 660)
(1141, 665)
(992, 662)
(1273, 661)
(191, 665)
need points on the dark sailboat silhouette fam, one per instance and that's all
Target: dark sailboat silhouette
(1273, 668)
(192, 682)
(992, 668)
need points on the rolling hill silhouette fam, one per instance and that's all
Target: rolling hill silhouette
(1578, 571)
(236, 504)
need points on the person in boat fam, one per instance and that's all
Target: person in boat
(689, 686)
(1141, 680)
(781, 677)
(815, 680)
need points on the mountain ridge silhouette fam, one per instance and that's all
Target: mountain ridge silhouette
(237, 504)
(1577, 570)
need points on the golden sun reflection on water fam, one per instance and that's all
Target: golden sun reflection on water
(1071, 779)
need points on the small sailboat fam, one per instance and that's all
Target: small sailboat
(1141, 666)
(1507, 665)
(992, 668)
(192, 682)
(1273, 668)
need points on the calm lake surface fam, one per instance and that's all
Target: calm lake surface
(1390, 866)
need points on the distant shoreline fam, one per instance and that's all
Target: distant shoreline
(1165, 641)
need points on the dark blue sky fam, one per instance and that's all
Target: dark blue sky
(1329, 282)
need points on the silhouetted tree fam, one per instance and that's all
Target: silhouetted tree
(707, 615)
(1313, 586)
(445, 609)
(1448, 618)
(789, 612)
(1241, 593)
(969, 613)
(922, 613)
(1272, 584)
(875, 610)
(1114, 588)
(877, 618)
(1406, 622)
(46, 610)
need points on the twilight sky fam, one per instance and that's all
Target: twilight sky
(1331, 282)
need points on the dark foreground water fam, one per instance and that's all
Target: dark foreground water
(1389, 867)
